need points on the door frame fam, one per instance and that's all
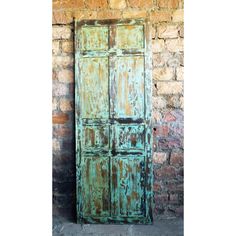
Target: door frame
(148, 219)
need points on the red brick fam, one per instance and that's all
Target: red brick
(140, 3)
(170, 143)
(96, 4)
(157, 187)
(169, 117)
(161, 198)
(166, 172)
(60, 118)
(62, 132)
(177, 159)
(161, 131)
(159, 157)
(174, 198)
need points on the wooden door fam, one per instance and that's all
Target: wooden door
(113, 114)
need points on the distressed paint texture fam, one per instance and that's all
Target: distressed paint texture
(130, 37)
(94, 85)
(128, 87)
(113, 141)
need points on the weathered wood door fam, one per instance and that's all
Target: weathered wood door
(113, 112)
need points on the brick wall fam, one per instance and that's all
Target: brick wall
(167, 40)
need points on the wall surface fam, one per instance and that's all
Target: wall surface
(166, 17)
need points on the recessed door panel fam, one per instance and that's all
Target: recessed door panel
(94, 38)
(128, 87)
(128, 186)
(129, 137)
(94, 87)
(95, 137)
(130, 37)
(95, 181)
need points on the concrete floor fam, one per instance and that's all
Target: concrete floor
(161, 227)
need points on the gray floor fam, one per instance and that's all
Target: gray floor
(161, 227)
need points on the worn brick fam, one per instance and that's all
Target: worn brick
(164, 73)
(59, 89)
(109, 14)
(166, 172)
(156, 115)
(177, 158)
(181, 31)
(161, 130)
(170, 143)
(67, 47)
(174, 199)
(170, 4)
(55, 104)
(61, 32)
(153, 31)
(64, 4)
(161, 59)
(174, 59)
(159, 157)
(117, 4)
(178, 15)
(55, 145)
(161, 198)
(174, 101)
(182, 102)
(65, 105)
(175, 45)
(134, 13)
(180, 73)
(160, 16)
(62, 132)
(140, 3)
(172, 87)
(62, 61)
(158, 45)
(66, 76)
(168, 31)
(159, 102)
(55, 47)
(60, 118)
(96, 4)
(62, 17)
(179, 211)
(87, 14)
(157, 186)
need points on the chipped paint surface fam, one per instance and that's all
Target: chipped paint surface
(113, 129)
(130, 37)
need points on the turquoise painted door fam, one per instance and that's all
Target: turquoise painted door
(113, 113)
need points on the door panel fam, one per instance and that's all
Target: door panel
(95, 182)
(94, 38)
(95, 137)
(129, 137)
(128, 186)
(130, 37)
(94, 87)
(113, 113)
(128, 87)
